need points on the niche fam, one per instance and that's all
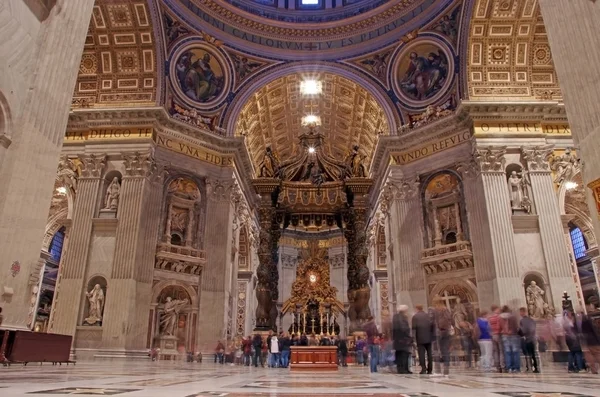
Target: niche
(95, 297)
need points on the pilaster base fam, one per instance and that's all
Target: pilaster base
(107, 214)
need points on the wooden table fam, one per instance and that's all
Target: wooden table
(25, 347)
(314, 358)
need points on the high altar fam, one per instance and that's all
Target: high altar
(313, 306)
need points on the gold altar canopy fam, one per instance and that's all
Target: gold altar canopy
(312, 283)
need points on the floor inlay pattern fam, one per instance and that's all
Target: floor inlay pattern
(180, 379)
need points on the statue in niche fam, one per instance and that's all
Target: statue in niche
(168, 319)
(179, 220)
(112, 195)
(269, 167)
(519, 200)
(96, 302)
(535, 301)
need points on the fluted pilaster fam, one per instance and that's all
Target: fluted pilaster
(219, 215)
(29, 163)
(125, 325)
(554, 244)
(407, 241)
(487, 190)
(71, 281)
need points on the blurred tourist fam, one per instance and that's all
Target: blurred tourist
(527, 330)
(402, 339)
(423, 332)
(484, 336)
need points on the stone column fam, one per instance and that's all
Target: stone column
(574, 36)
(71, 279)
(29, 164)
(217, 243)
(129, 290)
(490, 222)
(556, 251)
(406, 234)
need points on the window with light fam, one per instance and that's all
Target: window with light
(578, 242)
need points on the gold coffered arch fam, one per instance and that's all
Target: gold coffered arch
(509, 55)
(272, 116)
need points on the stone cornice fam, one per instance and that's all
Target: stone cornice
(511, 111)
(159, 119)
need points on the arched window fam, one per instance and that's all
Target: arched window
(56, 245)
(578, 242)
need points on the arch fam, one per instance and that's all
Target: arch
(309, 68)
(462, 286)
(54, 224)
(160, 286)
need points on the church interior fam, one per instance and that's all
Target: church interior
(180, 175)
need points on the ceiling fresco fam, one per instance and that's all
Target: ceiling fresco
(273, 116)
(118, 66)
(509, 56)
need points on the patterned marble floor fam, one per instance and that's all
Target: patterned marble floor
(175, 379)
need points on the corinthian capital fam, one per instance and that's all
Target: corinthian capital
(92, 165)
(537, 157)
(139, 164)
(219, 189)
(490, 158)
(403, 189)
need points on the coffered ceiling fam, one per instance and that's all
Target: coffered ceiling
(118, 66)
(509, 56)
(349, 116)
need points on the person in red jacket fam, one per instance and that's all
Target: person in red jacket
(246, 350)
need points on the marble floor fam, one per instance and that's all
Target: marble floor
(177, 379)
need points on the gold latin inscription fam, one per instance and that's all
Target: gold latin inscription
(109, 133)
(193, 151)
(431, 148)
(522, 127)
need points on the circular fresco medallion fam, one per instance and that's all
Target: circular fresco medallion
(423, 71)
(199, 75)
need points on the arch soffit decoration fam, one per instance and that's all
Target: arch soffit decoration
(121, 56)
(466, 285)
(53, 226)
(269, 110)
(161, 285)
(508, 54)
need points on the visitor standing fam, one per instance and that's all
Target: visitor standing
(219, 352)
(402, 339)
(371, 330)
(273, 345)
(443, 322)
(592, 340)
(247, 349)
(286, 344)
(360, 351)
(497, 347)
(509, 328)
(484, 336)
(257, 344)
(423, 331)
(343, 351)
(573, 342)
(527, 331)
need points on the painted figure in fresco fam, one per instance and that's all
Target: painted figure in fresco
(243, 66)
(96, 302)
(448, 25)
(425, 75)
(535, 301)
(378, 63)
(199, 81)
(168, 319)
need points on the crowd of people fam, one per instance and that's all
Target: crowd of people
(494, 341)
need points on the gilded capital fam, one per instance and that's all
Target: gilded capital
(490, 158)
(537, 157)
(92, 165)
(139, 164)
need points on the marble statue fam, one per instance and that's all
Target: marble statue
(168, 319)
(459, 314)
(535, 301)
(269, 167)
(565, 166)
(112, 194)
(96, 302)
(515, 187)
